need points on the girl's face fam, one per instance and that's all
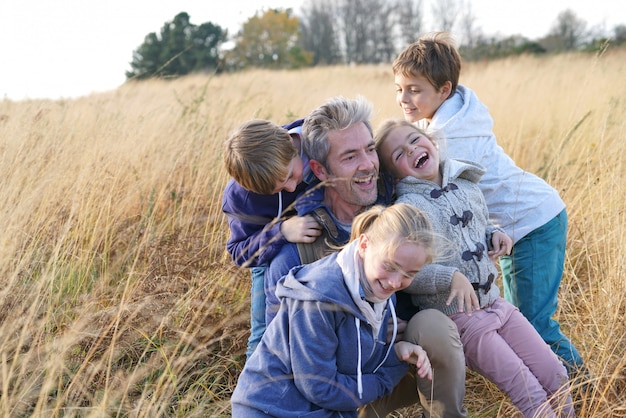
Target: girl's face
(406, 152)
(387, 273)
(418, 98)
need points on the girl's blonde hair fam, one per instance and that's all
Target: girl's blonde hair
(382, 133)
(395, 225)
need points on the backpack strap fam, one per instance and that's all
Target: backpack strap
(324, 244)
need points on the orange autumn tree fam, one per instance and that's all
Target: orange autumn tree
(269, 39)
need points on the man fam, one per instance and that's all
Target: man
(338, 138)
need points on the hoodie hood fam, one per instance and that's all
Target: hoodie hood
(461, 116)
(462, 169)
(451, 169)
(518, 201)
(306, 283)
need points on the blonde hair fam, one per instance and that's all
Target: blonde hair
(395, 225)
(257, 155)
(434, 56)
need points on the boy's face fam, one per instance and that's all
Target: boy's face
(406, 152)
(418, 98)
(293, 177)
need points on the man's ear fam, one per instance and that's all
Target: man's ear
(318, 169)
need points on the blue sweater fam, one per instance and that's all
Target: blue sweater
(308, 359)
(288, 256)
(253, 236)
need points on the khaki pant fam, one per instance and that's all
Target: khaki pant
(443, 396)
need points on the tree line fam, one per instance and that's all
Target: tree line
(331, 32)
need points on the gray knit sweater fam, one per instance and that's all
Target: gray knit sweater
(457, 211)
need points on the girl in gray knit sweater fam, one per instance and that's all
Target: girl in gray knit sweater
(498, 340)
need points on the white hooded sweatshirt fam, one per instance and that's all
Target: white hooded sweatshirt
(518, 201)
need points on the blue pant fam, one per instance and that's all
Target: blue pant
(257, 308)
(532, 275)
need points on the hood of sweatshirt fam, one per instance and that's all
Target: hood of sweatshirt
(310, 282)
(461, 116)
(451, 169)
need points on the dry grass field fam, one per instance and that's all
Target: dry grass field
(117, 297)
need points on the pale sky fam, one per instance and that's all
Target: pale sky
(69, 48)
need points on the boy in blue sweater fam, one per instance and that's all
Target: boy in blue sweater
(268, 169)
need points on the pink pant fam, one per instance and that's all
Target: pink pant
(501, 345)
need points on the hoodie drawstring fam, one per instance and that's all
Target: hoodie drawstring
(357, 322)
(359, 373)
(280, 204)
(395, 333)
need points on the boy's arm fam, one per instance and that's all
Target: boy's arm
(253, 242)
(255, 236)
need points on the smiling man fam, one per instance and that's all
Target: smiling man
(339, 140)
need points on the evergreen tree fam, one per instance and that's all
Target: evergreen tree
(181, 48)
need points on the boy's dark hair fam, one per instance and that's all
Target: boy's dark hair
(434, 56)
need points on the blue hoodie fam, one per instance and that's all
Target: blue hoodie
(254, 238)
(288, 256)
(319, 357)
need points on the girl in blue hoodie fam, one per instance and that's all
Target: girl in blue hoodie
(326, 352)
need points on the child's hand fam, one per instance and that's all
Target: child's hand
(463, 291)
(414, 354)
(301, 229)
(502, 244)
(401, 328)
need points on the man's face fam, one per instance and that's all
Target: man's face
(351, 170)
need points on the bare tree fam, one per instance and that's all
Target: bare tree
(469, 32)
(410, 17)
(318, 32)
(619, 34)
(445, 13)
(367, 29)
(380, 32)
(568, 31)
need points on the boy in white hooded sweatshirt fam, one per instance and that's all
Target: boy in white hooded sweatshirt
(529, 210)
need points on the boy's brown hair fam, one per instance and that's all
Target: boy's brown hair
(434, 56)
(257, 155)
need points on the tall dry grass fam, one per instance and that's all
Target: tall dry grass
(117, 297)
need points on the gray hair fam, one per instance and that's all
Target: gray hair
(336, 114)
